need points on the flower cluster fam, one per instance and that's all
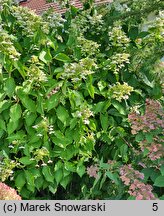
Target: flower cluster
(8, 193)
(155, 149)
(92, 171)
(55, 20)
(6, 168)
(120, 91)
(36, 75)
(128, 174)
(42, 156)
(43, 127)
(77, 71)
(87, 47)
(137, 188)
(28, 21)
(117, 37)
(86, 21)
(151, 120)
(7, 47)
(84, 113)
(117, 62)
(141, 191)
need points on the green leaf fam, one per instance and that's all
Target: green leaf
(53, 101)
(159, 181)
(62, 57)
(103, 181)
(20, 180)
(90, 89)
(30, 180)
(147, 173)
(58, 175)
(119, 107)
(139, 137)
(9, 86)
(149, 137)
(39, 182)
(53, 188)
(2, 125)
(113, 177)
(80, 169)
(30, 118)
(20, 67)
(62, 114)
(70, 166)
(154, 175)
(15, 112)
(99, 107)
(12, 126)
(65, 181)
(45, 56)
(123, 151)
(26, 160)
(162, 170)
(104, 121)
(4, 105)
(47, 174)
(26, 101)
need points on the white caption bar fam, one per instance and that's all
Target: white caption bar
(82, 208)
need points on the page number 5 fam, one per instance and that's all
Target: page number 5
(155, 207)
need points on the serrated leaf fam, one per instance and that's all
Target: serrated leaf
(53, 188)
(2, 125)
(65, 181)
(91, 90)
(15, 112)
(26, 160)
(147, 173)
(99, 107)
(45, 56)
(20, 180)
(20, 67)
(58, 175)
(53, 101)
(62, 57)
(30, 118)
(70, 166)
(4, 105)
(39, 182)
(154, 175)
(104, 121)
(26, 101)
(9, 86)
(119, 107)
(12, 126)
(47, 174)
(113, 177)
(80, 169)
(30, 180)
(62, 114)
(159, 181)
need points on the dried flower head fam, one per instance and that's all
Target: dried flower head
(8, 193)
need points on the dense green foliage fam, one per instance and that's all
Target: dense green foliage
(81, 101)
